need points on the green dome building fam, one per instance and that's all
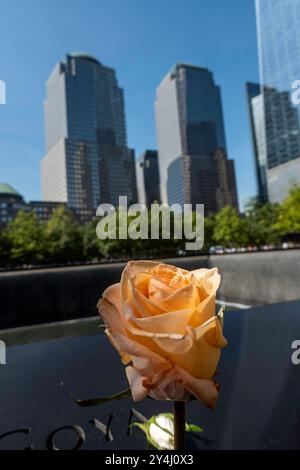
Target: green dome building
(6, 190)
(10, 203)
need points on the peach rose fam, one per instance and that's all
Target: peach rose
(161, 319)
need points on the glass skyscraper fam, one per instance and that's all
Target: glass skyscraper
(147, 173)
(191, 140)
(256, 120)
(87, 161)
(279, 42)
(274, 127)
(278, 27)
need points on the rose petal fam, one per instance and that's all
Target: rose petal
(141, 282)
(215, 335)
(166, 386)
(171, 346)
(168, 271)
(199, 352)
(208, 278)
(152, 362)
(125, 358)
(113, 294)
(167, 344)
(139, 385)
(141, 305)
(148, 368)
(132, 268)
(203, 389)
(174, 322)
(110, 309)
(204, 311)
(159, 290)
(186, 297)
(177, 384)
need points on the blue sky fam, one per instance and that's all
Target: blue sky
(141, 39)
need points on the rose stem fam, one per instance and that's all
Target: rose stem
(179, 425)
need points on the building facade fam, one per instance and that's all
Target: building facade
(11, 202)
(44, 209)
(282, 178)
(279, 51)
(209, 178)
(148, 182)
(87, 161)
(190, 132)
(256, 121)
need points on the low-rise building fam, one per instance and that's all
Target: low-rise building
(11, 202)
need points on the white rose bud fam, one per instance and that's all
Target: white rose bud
(161, 432)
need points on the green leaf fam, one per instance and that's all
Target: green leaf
(100, 401)
(142, 426)
(193, 428)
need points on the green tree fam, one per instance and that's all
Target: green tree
(209, 227)
(261, 220)
(230, 228)
(26, 236)
(131, 248)
(114, 246)
(5, 248)
(289, 213)
(64, 237)
(93, 248)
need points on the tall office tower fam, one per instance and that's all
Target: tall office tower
(190, 133)
(255, 112)
(147, 173)
(279, 49)
(87, 161)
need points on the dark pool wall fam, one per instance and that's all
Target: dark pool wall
(47, 295)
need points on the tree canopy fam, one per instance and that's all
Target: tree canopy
(26, 241)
